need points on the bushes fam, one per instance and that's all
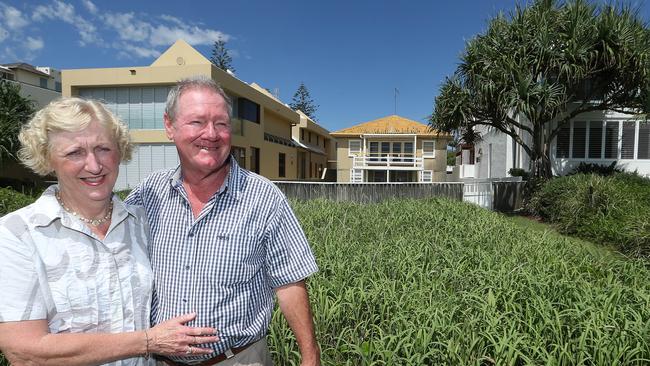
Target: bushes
(611, 209)
(11, 200)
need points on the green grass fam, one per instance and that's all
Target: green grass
(441, 282)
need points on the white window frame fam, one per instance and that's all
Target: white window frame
(356, 175)
(356, 151)
(426, 153)
(426, 176)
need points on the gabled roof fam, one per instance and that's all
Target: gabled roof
(180, 53)
(24, 66)
(393, 124)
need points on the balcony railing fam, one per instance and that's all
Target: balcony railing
(395, 161)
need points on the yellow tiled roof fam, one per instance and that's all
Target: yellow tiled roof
(388, 125)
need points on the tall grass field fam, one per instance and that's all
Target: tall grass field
(439, 282)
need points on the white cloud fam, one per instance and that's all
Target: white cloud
(132, 50)
(163, 35)
(3, 34)
(59, 10)
(12, 18)
(128, 28)
(90, 6)
(34, 44)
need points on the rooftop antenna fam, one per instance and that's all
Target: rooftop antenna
(396, 92)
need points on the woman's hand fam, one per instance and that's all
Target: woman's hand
(174, 338)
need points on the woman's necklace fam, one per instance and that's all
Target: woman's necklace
(93, 222)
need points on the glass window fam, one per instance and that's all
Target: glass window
(562, 142)
(240, 155)
(428, 149)
(611, 140)
(57, 86)
(354, 147)
(374, 150)
(397, 151)
(579, 139)
(595, 139)
(255, 160)
(627, 146)
(644, 140)
(249, 110)
(281, 165)
(43, 82)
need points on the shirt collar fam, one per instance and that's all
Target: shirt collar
(49, 209)
(231, 184)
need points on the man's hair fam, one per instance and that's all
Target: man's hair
(70, 115)
(191, 83)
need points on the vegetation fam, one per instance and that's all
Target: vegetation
(439, 282)
(610, 209)
(429, 282)
(598, 169)
(545, 64)
(221, 56)
(302, 101)
(10, 200)
(15, 110)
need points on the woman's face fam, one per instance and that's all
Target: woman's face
(86, 164)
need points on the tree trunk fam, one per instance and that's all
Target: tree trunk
(540, 163)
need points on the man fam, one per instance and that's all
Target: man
(223, 239)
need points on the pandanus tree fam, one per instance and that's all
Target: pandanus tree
(541, 66)
(15, 111)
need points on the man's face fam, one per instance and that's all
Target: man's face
(201, 131)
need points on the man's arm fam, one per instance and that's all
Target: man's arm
(294, 304)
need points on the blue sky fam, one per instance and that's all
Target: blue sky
(351, 55)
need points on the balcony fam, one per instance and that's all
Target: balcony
(388, 161)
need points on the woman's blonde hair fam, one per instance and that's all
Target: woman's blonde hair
(70, 115)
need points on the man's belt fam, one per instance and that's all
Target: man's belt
(230, 352)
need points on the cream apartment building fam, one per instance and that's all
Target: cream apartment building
(262, 126)
(391, 149)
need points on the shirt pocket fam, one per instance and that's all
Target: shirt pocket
(234, 260)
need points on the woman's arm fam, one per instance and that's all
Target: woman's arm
(29, 343)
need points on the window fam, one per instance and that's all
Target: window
(385, 150)
(354, 147)
(317, 140)
(644, 140)
(374, 151)
(397, 151)
(562, 142)
(595, 139)
(240, 155)
(356, 175)
(302, 134)
(57, 86)
(611, 140)
(255, 160)
(309, 136)
(249, 110)
(426, 176)
(428, 149)
(281, 165)
(579, 139)
(43, 82)
(627, 145)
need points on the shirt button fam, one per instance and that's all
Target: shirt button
(187, 267)
(191, 235)
(184, 300)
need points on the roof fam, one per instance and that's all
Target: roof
(24, 66)
(393, 124)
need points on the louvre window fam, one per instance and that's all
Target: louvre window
(428, 149)
(627, 146)
(579, 140)
(611, 140)
(281, 165)
(644, 140)
(595, 139)
(354, 147)
(563, 141)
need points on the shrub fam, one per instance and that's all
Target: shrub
(612, 210)
(11, 200)
(518, 172)
(598, 169)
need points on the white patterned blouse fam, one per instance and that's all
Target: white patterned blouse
(53, 267)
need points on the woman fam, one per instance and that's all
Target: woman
(75, 277)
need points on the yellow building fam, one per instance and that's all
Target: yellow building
(262, 126)
(315, 146)
(391, 149)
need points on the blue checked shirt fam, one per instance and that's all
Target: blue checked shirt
(224, 264)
